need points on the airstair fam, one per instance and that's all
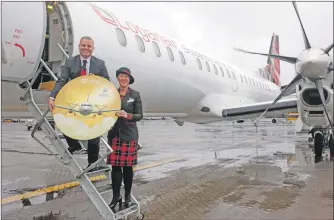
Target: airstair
(61, 152)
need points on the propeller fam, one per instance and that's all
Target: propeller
(328, 48)
(300, 75)
(292, 60)
(306, 42)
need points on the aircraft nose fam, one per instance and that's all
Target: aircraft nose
(315, 67)
(320, 62)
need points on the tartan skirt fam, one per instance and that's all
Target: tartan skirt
(124, 152)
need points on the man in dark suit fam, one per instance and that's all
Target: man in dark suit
(76, 66)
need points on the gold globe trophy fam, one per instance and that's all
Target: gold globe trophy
(85, 107)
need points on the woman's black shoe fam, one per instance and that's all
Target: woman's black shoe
(127, 201)
(114, 202)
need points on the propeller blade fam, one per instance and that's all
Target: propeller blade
(291, 84)
(283, 58)
(328, 48)
(318, 84)
(306, 42)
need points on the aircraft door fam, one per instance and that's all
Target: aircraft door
(23, 36)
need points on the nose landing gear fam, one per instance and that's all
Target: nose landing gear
(322, 138)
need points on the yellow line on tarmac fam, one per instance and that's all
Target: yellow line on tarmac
(76, 183)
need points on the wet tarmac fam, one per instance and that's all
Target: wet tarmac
(217, 171)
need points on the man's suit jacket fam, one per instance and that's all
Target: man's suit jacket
(127, 129)
(72, 68)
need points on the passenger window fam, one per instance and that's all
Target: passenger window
(183, 60)
(140, 43)
(222, 71)
(121, 37)
(156, 49)
(199, 64)
(241, 78)
(207, 66)
(170, 54)
(228, 73)
(233, 75)
(215, 69)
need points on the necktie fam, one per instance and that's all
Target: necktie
(83, 70)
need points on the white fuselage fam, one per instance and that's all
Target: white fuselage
(169, 86)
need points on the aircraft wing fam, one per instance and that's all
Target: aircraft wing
(283, 106)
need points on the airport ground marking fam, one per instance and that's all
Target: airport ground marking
(63, 186)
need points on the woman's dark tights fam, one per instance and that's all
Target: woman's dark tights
(127, 178)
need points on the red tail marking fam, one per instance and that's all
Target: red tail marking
(275, 63)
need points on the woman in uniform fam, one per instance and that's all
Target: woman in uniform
(123, 138)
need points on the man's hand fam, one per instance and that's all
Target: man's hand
(51, 105)
(122, 114)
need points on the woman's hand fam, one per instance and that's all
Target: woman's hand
(122, 114)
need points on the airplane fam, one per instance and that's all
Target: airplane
(174, 80)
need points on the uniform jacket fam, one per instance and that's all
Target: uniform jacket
(127, 129)
(72, 68)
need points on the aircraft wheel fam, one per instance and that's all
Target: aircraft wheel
(318, 143)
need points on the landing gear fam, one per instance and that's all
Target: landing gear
(318, 143)
(322, 138)
(29, 127)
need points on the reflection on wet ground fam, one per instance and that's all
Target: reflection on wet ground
(217, 165)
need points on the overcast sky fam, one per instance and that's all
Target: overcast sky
(214, 29)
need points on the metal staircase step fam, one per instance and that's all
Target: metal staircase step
(100, 170)
(124, 212)
(104, 188)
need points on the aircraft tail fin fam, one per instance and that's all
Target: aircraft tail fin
(272, 70)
